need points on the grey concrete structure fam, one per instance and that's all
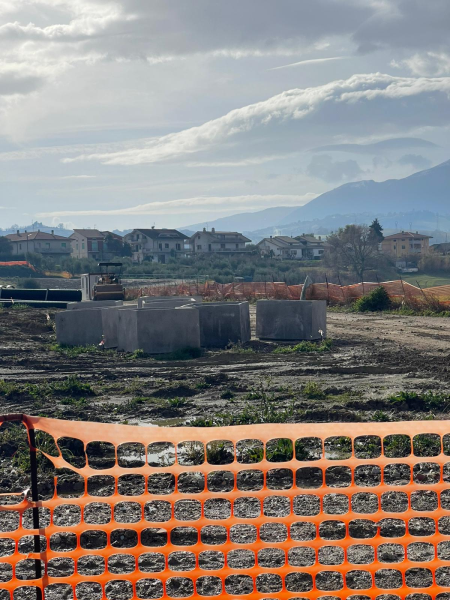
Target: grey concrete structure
(291, 320)
(93, 304)
(110, 321)
(223, 322)
(79, 327)
(159, 330)
(145, 301)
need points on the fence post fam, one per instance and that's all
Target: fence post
(35, 510)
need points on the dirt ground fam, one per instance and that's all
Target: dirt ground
(379, 367)
(372, 357)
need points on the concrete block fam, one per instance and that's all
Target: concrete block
(159, 330)
(224, 322)
(291, 319)
(170, 300)
(79, 327)
(110, 321)
(93, 304)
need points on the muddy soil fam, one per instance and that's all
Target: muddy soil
(372, 358)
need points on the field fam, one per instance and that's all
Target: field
(427, 281)
(377, 367)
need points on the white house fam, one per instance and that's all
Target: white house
(217, 241)
(157, 245)
(38, 242)
(304, 247)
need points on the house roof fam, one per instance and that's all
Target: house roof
(409, 235)
(89, 233)
(155, 234)
(35, 235)
(232, 237)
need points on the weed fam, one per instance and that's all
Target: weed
(219, 453)
(183, 354)
(202, 385)
(8, 388)
(413, 401)
(73, 351)
(279, 450)
(138, 354)
(376, 300)
(76, 402)
(73, 387)
(17, 306)
(381, 417)
(134, 403)
(397, 445)
(305, 346)
(227, 395)
(238, 348)
(177, 402)
(313, 391)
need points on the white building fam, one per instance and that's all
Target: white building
(217, 241)
(305, 247)
(38, 242)
(157, 245)
(87, 243)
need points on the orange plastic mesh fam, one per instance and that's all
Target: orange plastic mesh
(333, 293)
(261, 528)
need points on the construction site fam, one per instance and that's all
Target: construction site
(220, 441)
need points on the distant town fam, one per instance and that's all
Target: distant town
(159, 245)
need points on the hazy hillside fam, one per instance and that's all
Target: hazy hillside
(429, 189)
(245, 221)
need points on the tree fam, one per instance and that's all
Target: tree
(353, 247)
(116, 246)
(5, 246)
(377, 230)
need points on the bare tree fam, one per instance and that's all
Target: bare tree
(353, 247)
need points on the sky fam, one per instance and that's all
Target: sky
(118, 114)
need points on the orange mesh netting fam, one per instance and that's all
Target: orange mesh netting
(335, 294)
(277, 511)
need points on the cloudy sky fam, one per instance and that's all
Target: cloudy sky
(124, 113)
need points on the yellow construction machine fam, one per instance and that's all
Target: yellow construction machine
(109, 286)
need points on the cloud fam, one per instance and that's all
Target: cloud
(362, 103)
(323, 167)
(405, 24)
(311, 61)
(415, 160)
(377, 147)
(428, 63)
(196, 204)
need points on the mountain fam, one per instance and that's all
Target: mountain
(57, 229)
(245, 221)
(429, 189)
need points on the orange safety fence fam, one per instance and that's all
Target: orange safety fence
(333, 293)
(17, 263)
(284, 511)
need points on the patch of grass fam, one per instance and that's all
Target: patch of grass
(134, 403)
(305, 346)
(397, 445)
(202, 385)
(73, 351)
(227, 395)
(313, 391)
(183, 354)
(73, 387)
(19, 307)
(76, 402)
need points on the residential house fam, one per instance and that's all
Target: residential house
(303, 247)
(88, 243)
(156, 245)
(38, 242)
(406, 243)
(217, 241)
